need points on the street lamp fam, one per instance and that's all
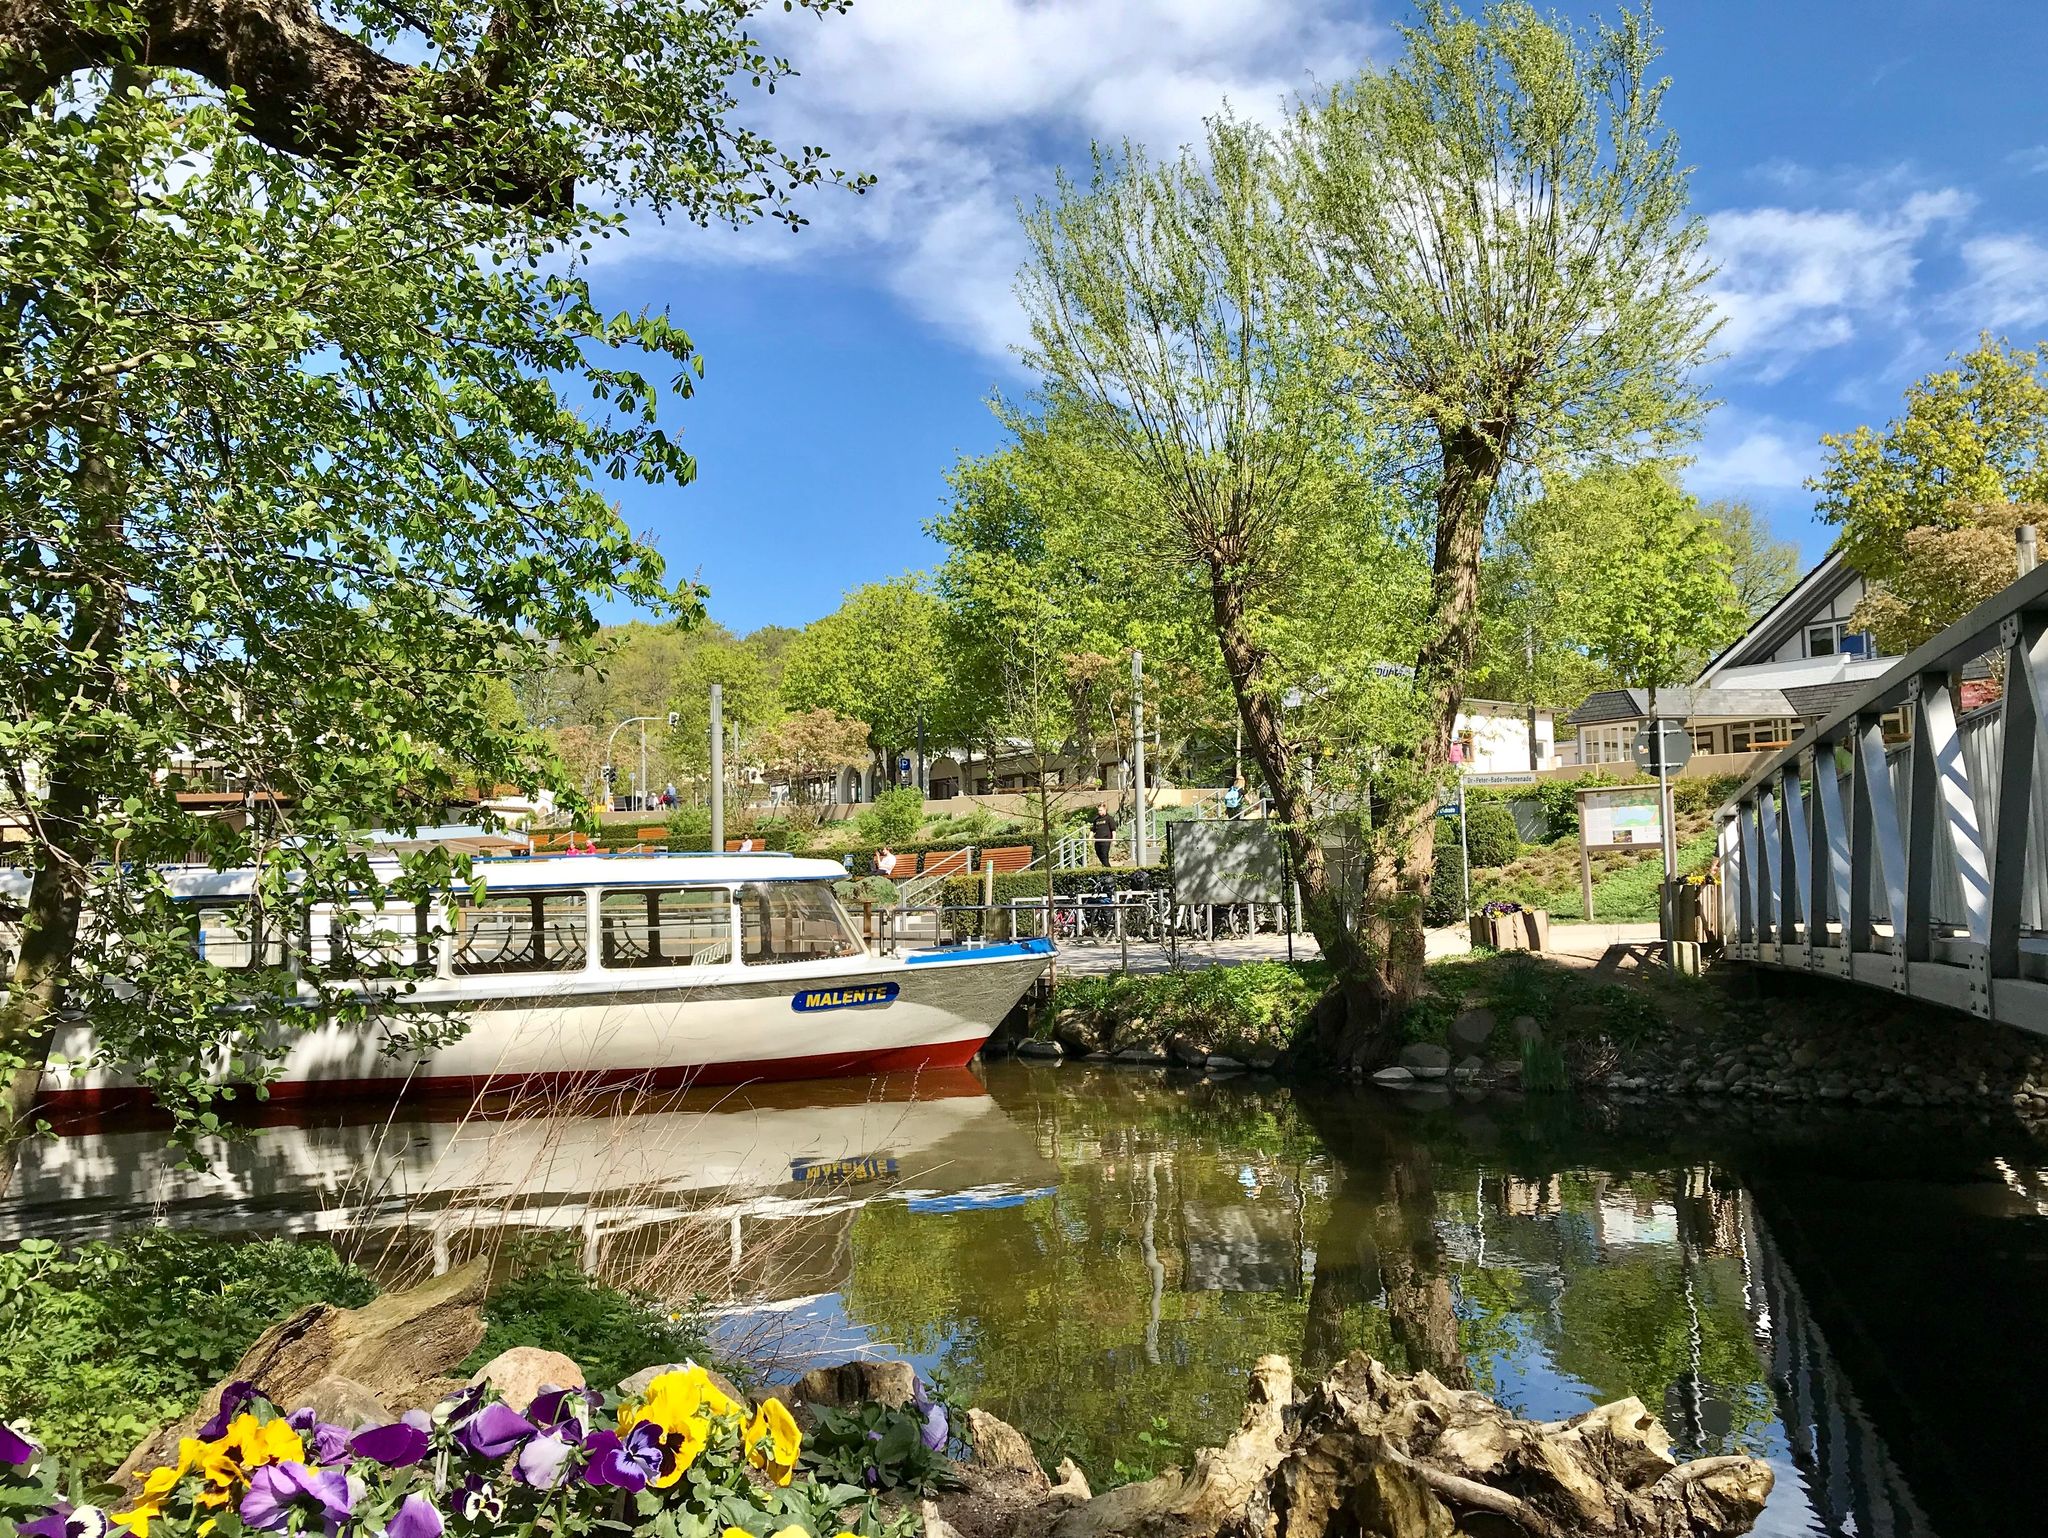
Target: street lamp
(640, 786)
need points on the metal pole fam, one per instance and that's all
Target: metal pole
(1139, 831)
(1529, 655)
(1464, 845)
(643, 763)
(2029, 546)
(1669, 839)
(924, 783)
(717, 768)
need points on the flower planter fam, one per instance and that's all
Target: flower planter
(1528, 930)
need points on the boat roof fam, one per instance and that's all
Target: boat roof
(540, 872)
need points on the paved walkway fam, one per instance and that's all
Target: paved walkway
(1571, 943)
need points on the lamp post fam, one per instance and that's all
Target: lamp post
(641, 722)
(1139, 830)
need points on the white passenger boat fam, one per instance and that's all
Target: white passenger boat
(590, 971)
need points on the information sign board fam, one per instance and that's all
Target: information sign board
(1619, 817)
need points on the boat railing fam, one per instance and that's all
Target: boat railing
(1132, 917)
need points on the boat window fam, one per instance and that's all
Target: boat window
(224, 933)
(793, 921)
(519, 932)
(370, 940)
(667, 927)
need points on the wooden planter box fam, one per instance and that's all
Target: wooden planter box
(1528, 930)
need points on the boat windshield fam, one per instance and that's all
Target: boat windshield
(784, 921)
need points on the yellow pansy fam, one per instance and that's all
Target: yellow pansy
(674, 1406)
(137, 1518)
(773, 1441)
(253, 1443)
(794, 1531)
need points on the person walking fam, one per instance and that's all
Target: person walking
(1233, 799)
(1103, 830)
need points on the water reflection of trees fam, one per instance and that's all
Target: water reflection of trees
(1193, 1228)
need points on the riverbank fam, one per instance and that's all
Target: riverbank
(1605, 1020)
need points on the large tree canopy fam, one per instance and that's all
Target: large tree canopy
(1474, 266)
(305, 444)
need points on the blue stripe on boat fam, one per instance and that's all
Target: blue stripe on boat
(983, 952)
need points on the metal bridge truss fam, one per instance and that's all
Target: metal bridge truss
(1923, 868)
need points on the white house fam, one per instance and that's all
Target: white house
(1793, 666)
(1492, 737)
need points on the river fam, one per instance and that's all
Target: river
(1098, 1255)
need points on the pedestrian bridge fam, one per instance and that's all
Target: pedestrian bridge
(1921, 867)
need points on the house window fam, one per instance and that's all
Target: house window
(1823, 640)
(1703, 739)
(1756, 736)
(945, 790)
(1607, 744)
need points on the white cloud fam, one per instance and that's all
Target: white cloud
(1745, 452)
(1793, 282)
(2005, 283)
(961, 108)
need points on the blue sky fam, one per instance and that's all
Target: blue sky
(1874, 174)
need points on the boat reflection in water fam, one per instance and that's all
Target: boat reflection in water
(743, 1194)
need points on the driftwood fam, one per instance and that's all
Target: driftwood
(1371, 1453)
(353, 1364)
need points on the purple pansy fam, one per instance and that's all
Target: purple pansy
(16, 1449)
(64, 1520)
(934, 1429)
(397, 1446)
(551, 1407)
(234, 1399)
(627, 1463)
(493, 1431)
(276, 1488)
(415, 1518)
(330, 1442)
(542, 1460)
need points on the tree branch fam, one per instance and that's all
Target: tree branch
(306, 88)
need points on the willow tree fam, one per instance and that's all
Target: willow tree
(1190, 376)
(1515, 281)
(1475, 264)
(307, 413)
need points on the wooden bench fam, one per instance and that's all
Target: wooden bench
(1008, 860)
(944, 862)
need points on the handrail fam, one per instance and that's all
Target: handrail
(1922, 869)
(1967, 639)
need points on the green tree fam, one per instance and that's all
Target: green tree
(1762, 568)
(880, 657)
(306, 397)
(1946, 572)
(1671, 603)
(749, 702)
(1971, 436)
(1479, 261)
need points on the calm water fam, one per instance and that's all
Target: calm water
(1098, 1256)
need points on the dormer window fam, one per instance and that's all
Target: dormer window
(1824, 640)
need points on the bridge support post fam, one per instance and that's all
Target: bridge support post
(1876, 833)
(2025, 727)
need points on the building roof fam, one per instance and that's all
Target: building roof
(1783, 619)
(1687, 704)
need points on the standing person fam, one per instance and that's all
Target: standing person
(668, 796)
(1102, 829)
(1233, 799)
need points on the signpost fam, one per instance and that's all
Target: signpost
(1623, 817)
(1664, 747)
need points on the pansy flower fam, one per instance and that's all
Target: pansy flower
(773, 1441)
(397, 1446)
(416, 1517)
(493, 1431)
(479, 1501)
(17, 1449)
(543, 1459)
(65, 1520)
(234, 1399)
(330, 1443)
(278, 1489)
(631, 1462)
(679, 1406)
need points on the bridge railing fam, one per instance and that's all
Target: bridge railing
(1920, 868)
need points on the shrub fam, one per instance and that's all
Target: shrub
(1447, 885)
(1251, 1005)
(893, 817)
(1490, 833)
(610, 1332)
(689, 827)
(108, 1343)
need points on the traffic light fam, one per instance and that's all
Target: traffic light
(611, 775)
